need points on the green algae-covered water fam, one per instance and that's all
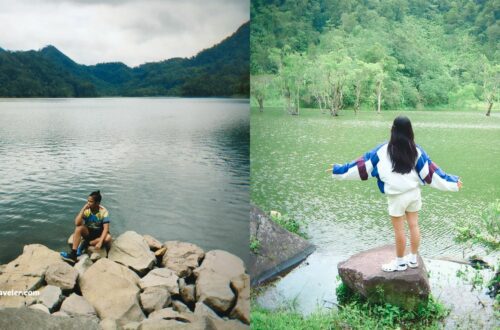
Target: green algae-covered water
(289, 156)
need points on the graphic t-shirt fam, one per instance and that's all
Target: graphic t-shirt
(97, 220)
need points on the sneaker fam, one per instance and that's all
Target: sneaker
(394, 267)
(81, 248)
(410, 263)
(69, 257)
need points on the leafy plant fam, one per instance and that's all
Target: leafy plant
(288, 223)
(254, 244)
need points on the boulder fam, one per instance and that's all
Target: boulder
(84, 263)
(27, 318)
(223, 263)
(61, 275)
(161, 277)
(161, 324)
(108, 324)
(40, 307)
(362, 273)
(179, 306)
(96, 254)
(170, 314)
(60, 314)
(182, 257)
(76, 305)
(131, 326)
(26, 272)
(50, 296)
(241, 311)
(155, 298)
(188, 292)
(130, 249)
(152, 242)
(112, 289)
(213, 321)
(213, 283)
(214, 290)
(270, 261)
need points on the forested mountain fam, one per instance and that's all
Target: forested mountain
(222, 70)
(336, 54)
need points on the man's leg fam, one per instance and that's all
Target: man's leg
(80, 231)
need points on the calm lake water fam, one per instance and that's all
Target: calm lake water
(175, 168)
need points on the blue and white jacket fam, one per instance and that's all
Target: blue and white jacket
(377, 163)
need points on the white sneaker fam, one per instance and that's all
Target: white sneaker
(394, 267)
(410, 263)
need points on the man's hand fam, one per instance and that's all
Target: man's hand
(98, 245)
(460, 184)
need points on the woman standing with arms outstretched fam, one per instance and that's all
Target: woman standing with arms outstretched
(401, 168)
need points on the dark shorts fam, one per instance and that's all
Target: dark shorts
(93, 234)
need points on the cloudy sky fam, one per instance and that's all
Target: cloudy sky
(129, 31)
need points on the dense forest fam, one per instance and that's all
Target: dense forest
(222, 70)
(391, 54)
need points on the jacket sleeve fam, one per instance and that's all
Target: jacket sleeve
(359, 169)
(432, 175)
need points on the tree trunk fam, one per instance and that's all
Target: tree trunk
(490, 105)
(379, 95)
(358, 95)
(261, 103)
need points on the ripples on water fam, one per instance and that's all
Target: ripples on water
(172, 168)
(289, 156)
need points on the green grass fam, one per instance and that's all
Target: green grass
(289, 156)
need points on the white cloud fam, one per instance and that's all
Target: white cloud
(131, 31)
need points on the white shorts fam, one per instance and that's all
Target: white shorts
(410, 201)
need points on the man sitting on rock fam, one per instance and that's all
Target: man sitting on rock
(92, 223)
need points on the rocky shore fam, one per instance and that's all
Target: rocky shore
(140, 283)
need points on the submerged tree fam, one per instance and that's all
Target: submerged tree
(259, 88)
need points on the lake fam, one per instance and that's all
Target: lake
(174, 168)
(289, 159)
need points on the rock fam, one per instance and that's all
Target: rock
(60, 314)
(160, 324)
(222, 263)
(188, 293)
(83, 264)
(362, 273)
(179, 307)
(213, 285)
(61, 275)
(155, 298)
(170, 314)
(76, 305)
(27, 318)
(130, 249)
(108, 324)
(214, 290)
(96, 254)
(182, 257)
(112, 289)
(241, 311)
(152, 242)
(26, 273)
(270, 261)
(213, 321)
(131, 326)
(161, 277)
(160, 252)
(50, 296)
(40, 307)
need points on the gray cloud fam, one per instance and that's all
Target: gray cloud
(130, 31)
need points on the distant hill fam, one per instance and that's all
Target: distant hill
(222, 70)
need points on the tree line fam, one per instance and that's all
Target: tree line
(387, 54)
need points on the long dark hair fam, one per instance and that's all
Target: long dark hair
(96, 195)
(402, 149)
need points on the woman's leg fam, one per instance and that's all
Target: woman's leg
(399, 233)
(412, 218)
